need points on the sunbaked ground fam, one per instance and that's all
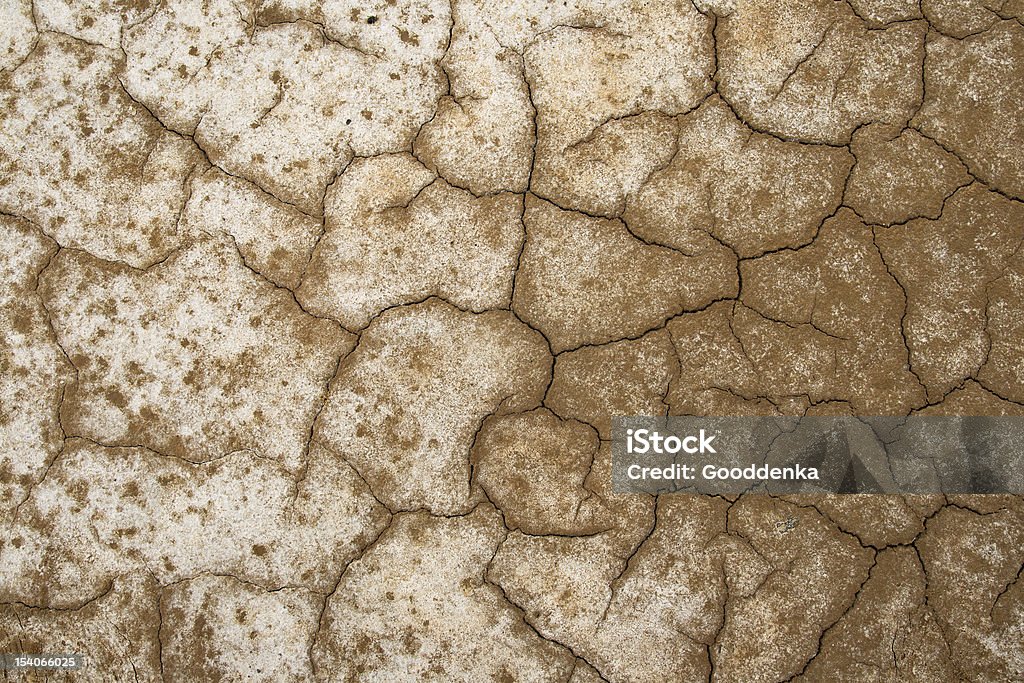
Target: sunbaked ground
(315, 316)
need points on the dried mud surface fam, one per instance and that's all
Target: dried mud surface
(315, 315)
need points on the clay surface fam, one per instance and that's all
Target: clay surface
(314, 318)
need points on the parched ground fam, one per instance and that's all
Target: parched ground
(315, 314)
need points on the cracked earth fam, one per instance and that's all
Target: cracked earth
(315, 316)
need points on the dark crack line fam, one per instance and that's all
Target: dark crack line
(521, 612)
(616, 582)
(803, 60)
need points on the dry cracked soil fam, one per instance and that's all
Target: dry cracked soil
(315, 315)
